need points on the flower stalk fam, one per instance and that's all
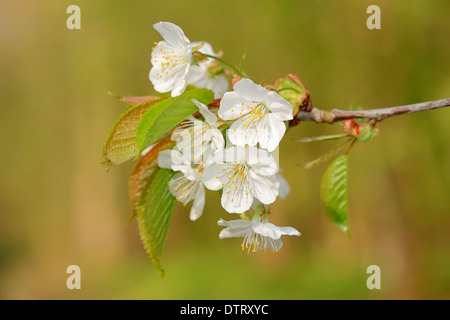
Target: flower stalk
(229, 65)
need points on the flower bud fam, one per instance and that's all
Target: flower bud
(351, 127)
(293, 90)
(363, 132)
(236, 79)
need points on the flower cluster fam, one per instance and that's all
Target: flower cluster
(228, 150)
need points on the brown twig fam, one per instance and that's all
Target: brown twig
(321, 116)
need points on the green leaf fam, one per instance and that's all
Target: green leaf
(165, 115)
(120, 144)
(367, 133)
(333, 191)
(324, 138)
(355, 106)
(154, 213)
(142, 173)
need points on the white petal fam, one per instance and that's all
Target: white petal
(239, 223)
(236, 195)
(162, 85)
(265, 189)
(235, 228)
(267, 230)
(197, 76)
(216, 176)
(289, 231)
(208, 150)
(261, 162)
(189, 172)
(165, 81)
(233, 106)
(280, 107)
(250, 91)
(199, 204)
(285, 189)
(272, 132)
(172, 33)
(179, 88)
(275, 245)
(210, 117)
(182, 188)
(176, 158)
(233, 233)
(188, 136)
(218, 143)
(207, 48)
(165, 159)
(163, 49)
(230, 155)
(241, 135)
(218, 84)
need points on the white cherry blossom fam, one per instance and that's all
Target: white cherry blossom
(259, 115)
(199, 139)
(203, 75)
(243, 174)
(258, 235)
(171, 59)
(186, 185)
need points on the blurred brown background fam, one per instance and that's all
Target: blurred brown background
(59, 207)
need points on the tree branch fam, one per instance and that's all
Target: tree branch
(321, 116)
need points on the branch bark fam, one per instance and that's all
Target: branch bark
(322, 116)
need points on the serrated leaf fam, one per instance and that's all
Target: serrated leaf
(154, 213)
(324, 138)
(143, 171)
(120, 144)
(165, 115)
(333, 192)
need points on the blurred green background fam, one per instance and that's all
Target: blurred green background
(60, 207)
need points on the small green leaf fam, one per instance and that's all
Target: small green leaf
(333, 191)
(165, 115)
(367, 133)
(324, 138)
(154, 213)
(120, 144)
(355, 106)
